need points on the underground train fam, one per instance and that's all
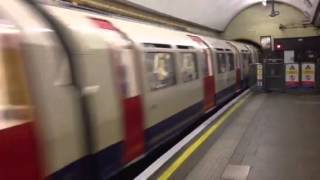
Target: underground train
(85, 94)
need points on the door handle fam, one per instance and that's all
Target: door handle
(90, 90)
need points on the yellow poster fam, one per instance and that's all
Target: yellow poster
(292, 75)
(308, 74)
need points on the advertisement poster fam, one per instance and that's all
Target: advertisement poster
(289, 56)
(308, 74)
(292, 75)
(259, 75)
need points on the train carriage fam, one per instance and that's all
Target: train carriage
(254, 53)
(171, 71)
(224, 65)
(107, 91)
(245, 58)
(164, 70)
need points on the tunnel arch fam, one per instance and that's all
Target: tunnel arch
(248, 41)
(256, 3)
(209, 13)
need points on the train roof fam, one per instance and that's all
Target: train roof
(79, 20)
(157, 35)
(218, 44)
(135, 30)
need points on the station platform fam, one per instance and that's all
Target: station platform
(271, 136)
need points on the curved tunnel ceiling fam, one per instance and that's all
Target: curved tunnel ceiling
(216, 14)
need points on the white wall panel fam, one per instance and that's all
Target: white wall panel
(215, 14)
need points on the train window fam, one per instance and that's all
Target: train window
(205, 64)
(161, 69)
(222, 64)
(250, 58)
(156, 45)
(15, 100)
(245, 60)
(184, 47)
(189, 70)
(230, 58)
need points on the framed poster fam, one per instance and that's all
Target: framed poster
(266, 42)
(289, 56)
(292, 75)
(259, 75)
(308, 74)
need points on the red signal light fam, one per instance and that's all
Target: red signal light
(278, 46)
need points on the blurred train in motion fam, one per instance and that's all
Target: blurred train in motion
(84, 94)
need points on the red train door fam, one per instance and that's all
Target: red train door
(208, 78)
(132, 105)
(126, 79)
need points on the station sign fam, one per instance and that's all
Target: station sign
(259, 75)
(292, 75)
(308, 74)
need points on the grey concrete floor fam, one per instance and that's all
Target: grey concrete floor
(276, 135)
(283, 140)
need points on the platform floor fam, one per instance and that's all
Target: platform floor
(270, 137)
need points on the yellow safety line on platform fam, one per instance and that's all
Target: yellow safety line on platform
(188, 152)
